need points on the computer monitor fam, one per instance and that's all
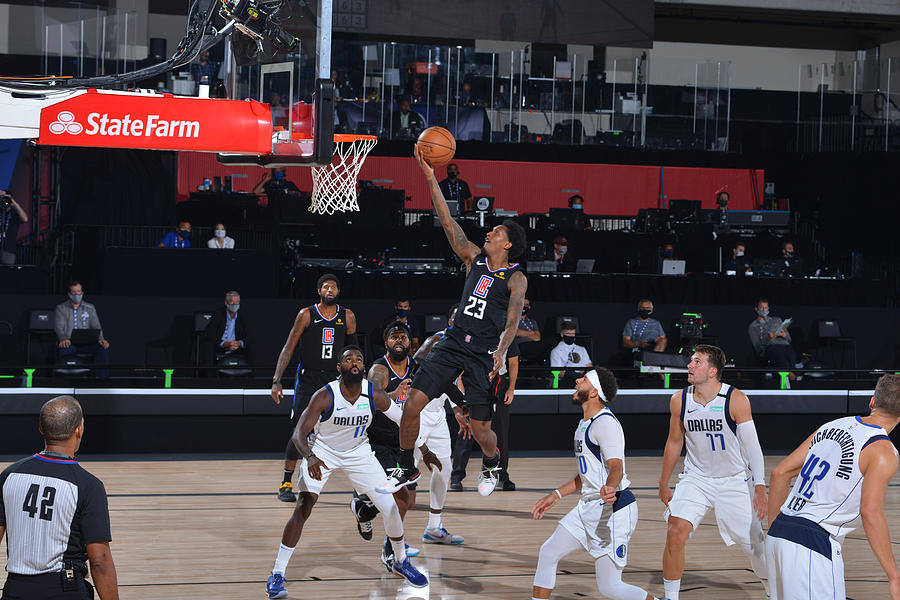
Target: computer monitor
(566, 218)
(673, 267)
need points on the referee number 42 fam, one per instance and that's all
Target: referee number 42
(45, 510)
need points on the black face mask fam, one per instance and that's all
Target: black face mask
(568, 339)
(347, 376)
(185, 234)
(644, 313)
(452, 175)
(526, 310)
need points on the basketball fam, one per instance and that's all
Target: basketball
(437, 146)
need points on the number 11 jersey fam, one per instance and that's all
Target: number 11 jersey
(484, 302)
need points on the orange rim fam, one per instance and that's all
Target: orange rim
(338, 137)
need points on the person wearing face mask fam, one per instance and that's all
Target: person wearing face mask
(279, 191)
(564, 260)
(220, 240)
(568, 354)
(11, 216)
(457, 190)
(528, 335)
(226, 333)
(73, 314)
(771, 339)
(739, 263)
(643, 332)
(180, 238)
(401, 313)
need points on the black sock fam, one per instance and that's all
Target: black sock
(491, 462)
(288, 476)
(406, 459)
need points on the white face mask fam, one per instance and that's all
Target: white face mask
(740, 253)
(220, 233)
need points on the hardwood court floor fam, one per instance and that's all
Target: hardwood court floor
(211, 529)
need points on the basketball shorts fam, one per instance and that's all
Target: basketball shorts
(433, 430)
(728, 497)
(306, 383)
(450, 357)
(388, 456)
(804, 561)
(604, 529)
(360, 466)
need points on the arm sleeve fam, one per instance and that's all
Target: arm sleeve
(95, 322)
(95, 512)
(626, 330)
(746, 434)
(394, 412)
(607, 433)
(754, 338)
(659, 331)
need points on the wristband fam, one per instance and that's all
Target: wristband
(558, 494)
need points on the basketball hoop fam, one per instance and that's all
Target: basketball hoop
(334, 185)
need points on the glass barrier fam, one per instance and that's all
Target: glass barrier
(99, 45)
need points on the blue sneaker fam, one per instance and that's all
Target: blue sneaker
(410, 573)
(439, 535)
(410, 551)
(275, 586)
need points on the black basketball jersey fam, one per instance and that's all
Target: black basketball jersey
(323, 340)
(383, 431)
(484, 302)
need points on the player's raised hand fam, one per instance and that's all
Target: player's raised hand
(543, 505)
(760, 502)
(431, 461)
(665, 494)
(315, 465)
(403, 388)
(277, 393)
(423, 164)
(608, 494)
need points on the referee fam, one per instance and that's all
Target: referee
(56, 517)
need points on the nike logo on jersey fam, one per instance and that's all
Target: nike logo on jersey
(695, 410)
(341, 408)
(479, 262)
(318, 320)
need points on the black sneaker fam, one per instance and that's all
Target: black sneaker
(508, 486)
(456, 486)
(387, 555)
(398, 477)
(363, 527)
(286, 493)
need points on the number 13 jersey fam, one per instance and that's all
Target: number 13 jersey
(484, 302)
(713, 449)
(322, 340)
(828, 489)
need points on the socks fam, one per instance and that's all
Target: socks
(288, 476)
(399, 548)
(284, 557)
(406, 459)
(434, 520)
(492, 462)
(671, 586)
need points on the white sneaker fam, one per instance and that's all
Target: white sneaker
(439, 535)
(487, 481)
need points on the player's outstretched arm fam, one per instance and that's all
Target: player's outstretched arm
(301, 322)
(320, 402)
(878, 464)
(387, 406)
(780, 479)
(518, 285)
(746, 434)
(546, 503)
(672, 451)
(465, 250)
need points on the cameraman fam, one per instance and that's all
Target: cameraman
(11, 216)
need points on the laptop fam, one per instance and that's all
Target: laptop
(85, 337)
(585, 265)
(673, 267)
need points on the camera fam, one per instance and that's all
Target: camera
(5, 201)
(258, 20)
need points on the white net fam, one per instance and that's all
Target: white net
(334, 185)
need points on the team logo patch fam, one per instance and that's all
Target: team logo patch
(328, 335)
(484, 284)
(620, 551)
(468, 338)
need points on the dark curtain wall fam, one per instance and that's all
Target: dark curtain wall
(118, 187)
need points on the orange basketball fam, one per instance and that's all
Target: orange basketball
(437, 146)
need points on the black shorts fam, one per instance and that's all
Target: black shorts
(45, 587)
(389, 458)
(450, 357)
(306, 384)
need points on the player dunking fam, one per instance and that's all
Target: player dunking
(715, 421)
(489, 312)
(844, 469)
(322, 329)
(340, 413)
(606, 514)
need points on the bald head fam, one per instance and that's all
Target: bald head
(60, 417)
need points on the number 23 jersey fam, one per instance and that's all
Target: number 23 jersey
(484, 301)
(829, 486)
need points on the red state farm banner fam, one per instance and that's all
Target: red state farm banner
(158, 122)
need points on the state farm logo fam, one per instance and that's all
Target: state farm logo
(65, 123)
(104, 125)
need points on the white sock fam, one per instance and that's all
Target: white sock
(399, 548)
(671, 586)
(284, 557)
(434, 520)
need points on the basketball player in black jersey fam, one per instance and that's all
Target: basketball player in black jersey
(489, 311)
(323, 330)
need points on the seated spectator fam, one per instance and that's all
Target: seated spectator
(771, 339)
(407, 122)
(180, 238)
(221, 240)
(528, 334)
(73, 314)
(564, 261)
(456, 190)
(643, 332)
(739, 262)
(576, 202)
(226, 334)
(568, 354)
(401, 313)
(466, 97)
(787, 252)
(11, 216)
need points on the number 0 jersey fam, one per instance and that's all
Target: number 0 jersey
(710, 433)
(484, 302)
(597, 440)
(343, 426)
(322, 340)
(828, 489)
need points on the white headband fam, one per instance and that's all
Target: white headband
(595, 381)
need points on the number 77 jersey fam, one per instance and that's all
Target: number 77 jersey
(710, 434)
(827, 490)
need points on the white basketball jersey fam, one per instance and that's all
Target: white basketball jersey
(827, 490)
(591, 462)
(343, 426)
(713, 449)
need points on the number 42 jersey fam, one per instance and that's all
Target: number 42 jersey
(828, 489)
